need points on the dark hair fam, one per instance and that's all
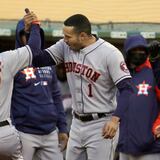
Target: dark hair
(80, 23)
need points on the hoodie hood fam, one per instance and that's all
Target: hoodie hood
(134, 42)
(19, 29)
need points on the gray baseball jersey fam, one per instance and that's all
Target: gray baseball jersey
(10, 63)
(92, 74)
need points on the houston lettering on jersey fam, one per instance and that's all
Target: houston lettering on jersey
(82, 70)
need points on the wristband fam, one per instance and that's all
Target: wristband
(36, 22)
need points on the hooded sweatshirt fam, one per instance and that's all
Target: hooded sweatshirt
(36, 102)
(136, 137)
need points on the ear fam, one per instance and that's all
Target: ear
(83, 36)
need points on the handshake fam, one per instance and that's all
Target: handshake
(154, 50)
(30, 18)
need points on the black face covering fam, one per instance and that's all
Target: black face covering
(136, 58)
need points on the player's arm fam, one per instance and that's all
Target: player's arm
(156, 124)
(34, 36)
(125, 88)
(40, 58)
(156, 71)
(61, 117)
(154, 51)
(156, 127)
(50, 56)
(121, 78)
(56, 95)
(31, 20)
(22, 57)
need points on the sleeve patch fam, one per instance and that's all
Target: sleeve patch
(123, 67)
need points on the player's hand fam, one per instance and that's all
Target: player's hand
(157, 131)
(110, 128)
(154, 50)
(29, 18)
(63, 139)
(156, 127)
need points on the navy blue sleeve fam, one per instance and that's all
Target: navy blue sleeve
(126, 89)
(56, 94)
(156, 71)
(34, 37)
(41, 58)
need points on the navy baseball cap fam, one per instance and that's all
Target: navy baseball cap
(133, 42)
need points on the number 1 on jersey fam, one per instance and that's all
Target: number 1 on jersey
(90, 90)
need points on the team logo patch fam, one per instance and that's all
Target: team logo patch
(29, 72)
(123, 67)
(143, 88)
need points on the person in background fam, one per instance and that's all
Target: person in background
(37, 108)
(136, 139)
(65, 91)
(154, 49)
(66, 95)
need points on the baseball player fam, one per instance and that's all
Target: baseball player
(10, 63)
(95, 69)
(37, 108)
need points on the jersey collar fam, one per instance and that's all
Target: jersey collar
(92, 46)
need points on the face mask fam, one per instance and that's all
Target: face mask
(136, 58)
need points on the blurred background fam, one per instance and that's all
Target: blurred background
(111, 20)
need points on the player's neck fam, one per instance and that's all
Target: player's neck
(90, 40)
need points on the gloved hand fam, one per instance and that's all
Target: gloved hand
(154, 50)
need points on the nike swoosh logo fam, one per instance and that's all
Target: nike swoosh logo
(36, 84)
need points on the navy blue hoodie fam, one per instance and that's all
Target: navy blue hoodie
(36, 102)
(136, 135)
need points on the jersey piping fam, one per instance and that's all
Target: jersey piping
(30, 55)
(81, 75)
(52, 55)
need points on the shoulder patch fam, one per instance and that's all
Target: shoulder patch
(123, 67)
